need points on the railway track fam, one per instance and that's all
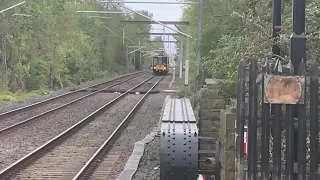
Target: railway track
(34, 105)
(65, 156)
(18, 117)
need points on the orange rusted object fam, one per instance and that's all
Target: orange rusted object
(284, 89)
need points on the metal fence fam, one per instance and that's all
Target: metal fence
(284, 145)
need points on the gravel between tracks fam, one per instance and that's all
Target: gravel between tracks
(19, 104)
(24, 140)
(10, 120)
(119, 80)
(16, 144)
(68, 158)
(149, 166)
(133, 82)
(146, 118)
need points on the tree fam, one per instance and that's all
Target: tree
(234, 30)
(58, 46)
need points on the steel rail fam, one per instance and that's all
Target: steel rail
(4, 114)
(62, 136)
(97, 154)
(9, 128)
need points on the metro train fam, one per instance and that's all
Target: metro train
(160, 63)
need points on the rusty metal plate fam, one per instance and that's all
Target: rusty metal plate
(284, 89)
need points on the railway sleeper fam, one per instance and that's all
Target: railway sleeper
(179, 145)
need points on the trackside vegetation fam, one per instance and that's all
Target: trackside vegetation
(233, 30)
(57, 47)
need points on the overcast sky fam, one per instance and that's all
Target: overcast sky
(161, 12)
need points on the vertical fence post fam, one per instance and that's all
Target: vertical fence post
(241, 110)
(252, 121)
(314, 126)
(302, 130)
(265, 123)
(289, 166)
(276, 128)
(298, 51)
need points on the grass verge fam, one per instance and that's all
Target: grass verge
(7, 97)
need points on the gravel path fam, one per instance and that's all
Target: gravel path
(65, 160)
(149, 167)
(146, 118)
(16, 144)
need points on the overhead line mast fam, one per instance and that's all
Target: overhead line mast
(198, 55)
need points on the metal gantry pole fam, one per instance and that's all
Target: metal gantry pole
(123, 35)
(139, 55)
(151, 59)
(127, 61)
(198, 56)
(140, 61)
(186, 76)
(134, 58)
(107, 48)
(181, 57)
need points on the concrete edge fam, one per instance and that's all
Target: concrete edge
(134, 160)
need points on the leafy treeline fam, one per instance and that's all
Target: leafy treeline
(233, 30)
(57, 46)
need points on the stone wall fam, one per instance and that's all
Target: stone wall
(227, 141)
(209, 113)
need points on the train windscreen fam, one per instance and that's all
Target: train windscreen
(165, 60)
(157, 60)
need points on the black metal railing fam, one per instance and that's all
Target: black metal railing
(274, 120)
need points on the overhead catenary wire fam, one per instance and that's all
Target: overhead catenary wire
(156, 21)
